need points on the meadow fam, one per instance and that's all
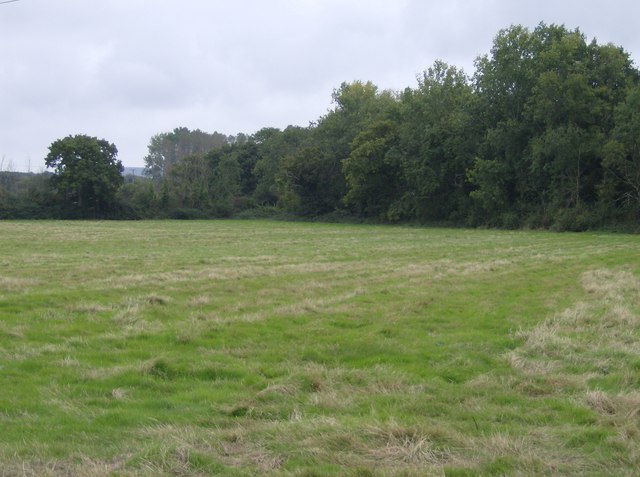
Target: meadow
(296, 349)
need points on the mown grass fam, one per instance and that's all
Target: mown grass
(244, 348)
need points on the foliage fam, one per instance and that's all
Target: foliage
(166, 149)
(312, 180)
(372, 170)
(438, 143)
(622, 154)
(138, 195)
(542, 135)
(26, 196)
(273, 146)
(547, 98)
(87, 174)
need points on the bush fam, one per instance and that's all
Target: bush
(186, 214)
(264, 212)
(576, 219)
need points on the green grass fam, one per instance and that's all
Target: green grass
(251, 347)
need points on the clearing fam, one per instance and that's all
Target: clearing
(257, 347)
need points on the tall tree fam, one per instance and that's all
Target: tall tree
(439, 136)
(372, 170)
(187, 182)
(547, 100)
(87, 173)
(309, 183)
(166, 149)
(622, 155)
(273, 146)
(503, 83)
(226, 183)
(357, 105)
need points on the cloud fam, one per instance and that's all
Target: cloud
(127, 69)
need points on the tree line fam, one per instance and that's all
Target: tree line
(544, 134)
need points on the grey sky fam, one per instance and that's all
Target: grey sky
(124, 70)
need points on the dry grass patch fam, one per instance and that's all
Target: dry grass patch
(175, 446)
(595, 340)
(68, 362)
(611, 284)
(441, 268)
(74, 466)
(624, 407)
(163, 279)
(279, 389)
(128, 314)
(99, 373)
(348, 383)
(119, 394)
(406, 446)
(201, 300)
(588, 334)
(73, 406)
(15, 284)
(13, 332)
(501, 445)
(88, 307)
(242, 454)
(302, 306)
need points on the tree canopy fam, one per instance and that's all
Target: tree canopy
(166, 149)
(544, 133)
(87, 174)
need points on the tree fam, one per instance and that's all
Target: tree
(503, 83)
(166, 149)
(439, 136)
(138, 197)
(87, 174)
(311, 180)
(547, 99)
(622, 154)
(225, 185)
(372, 170)
(207, 184)
(273, 146)
(309, 183)
(188, 182)
(26, 196)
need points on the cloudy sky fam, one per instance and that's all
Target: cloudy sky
(124, 70)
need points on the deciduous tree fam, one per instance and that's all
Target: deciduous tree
(87, 174)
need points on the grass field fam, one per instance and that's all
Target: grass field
(264, 348)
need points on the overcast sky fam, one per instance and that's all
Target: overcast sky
(124, 70)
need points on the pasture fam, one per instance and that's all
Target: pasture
(262, 348)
